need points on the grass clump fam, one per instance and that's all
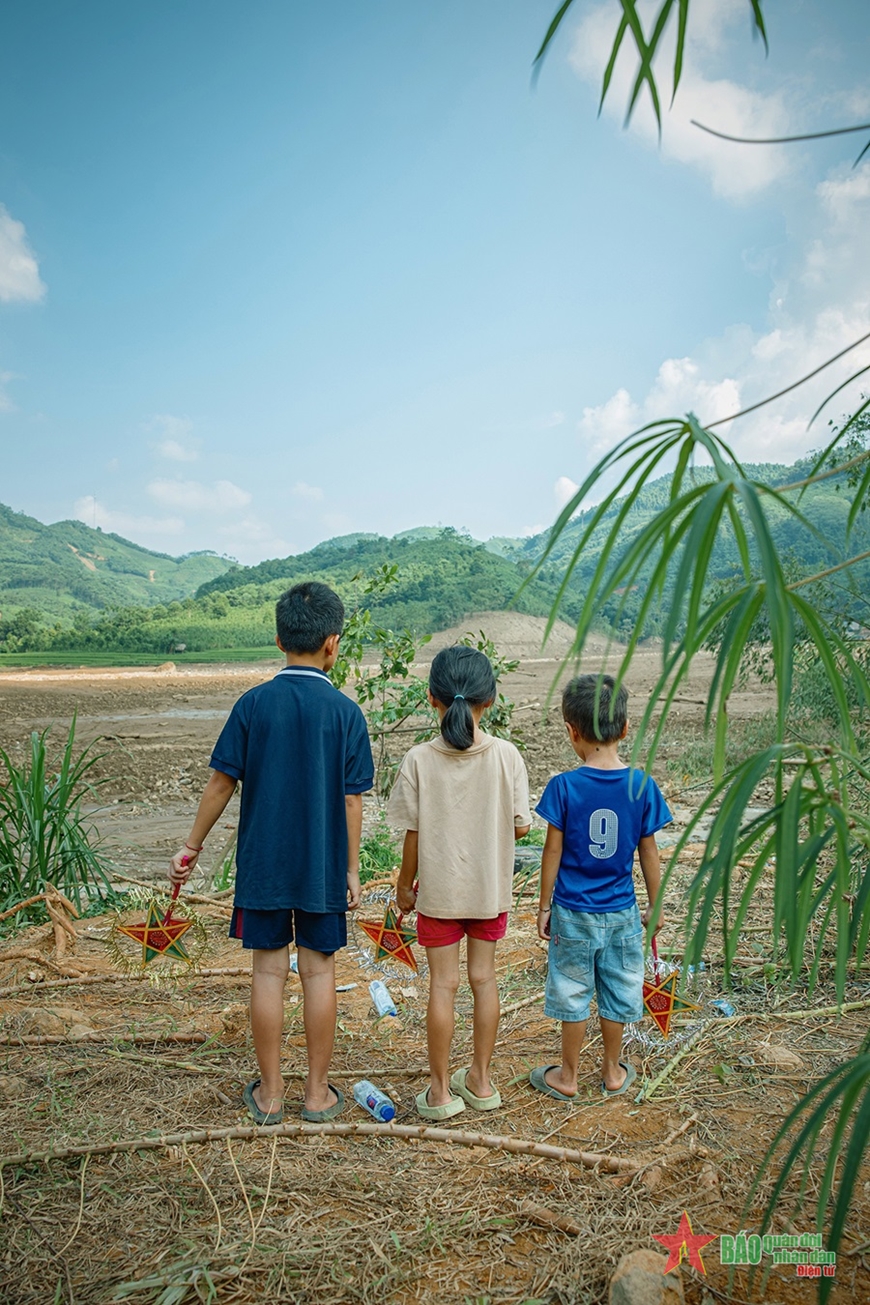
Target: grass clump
(45, 837)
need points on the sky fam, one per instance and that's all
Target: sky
(275, 272)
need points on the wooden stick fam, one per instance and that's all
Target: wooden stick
(55, 1039)
(409, 1132)
(687, 1123)
(550, 1219)
(28, 901)
(113, 977)
(160, 887)
(518, 1005)
(646, 1092)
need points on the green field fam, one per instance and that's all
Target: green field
(8, 661)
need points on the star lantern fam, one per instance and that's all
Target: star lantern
(660, 996)
(180, 940)
(391, 937)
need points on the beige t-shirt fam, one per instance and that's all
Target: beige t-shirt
(465, 807)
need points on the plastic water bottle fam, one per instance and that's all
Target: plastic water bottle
(725, 1008)
(373, 1100)
(381, 999)
(294, 963)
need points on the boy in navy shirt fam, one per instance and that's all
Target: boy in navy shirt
(301, 752)
(597, 817)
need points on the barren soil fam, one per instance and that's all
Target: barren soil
(353, 1219)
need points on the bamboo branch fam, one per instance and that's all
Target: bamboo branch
(110, 977)
(405, 1132)
(56, 1039)
(646, 1092)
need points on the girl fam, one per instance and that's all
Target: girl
(462, 798)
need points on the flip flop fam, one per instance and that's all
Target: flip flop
(454, 1106)
(260, 1116)
(331, 1112)
(630, 1076)
(538, 1080)
(459, 1086)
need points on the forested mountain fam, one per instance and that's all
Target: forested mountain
(54, 569)
(442, 576)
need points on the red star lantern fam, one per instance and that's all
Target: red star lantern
(159, 937)
(391, 937)
(181, 941)
(660, 997)
(684, 1240)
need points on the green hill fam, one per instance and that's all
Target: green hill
(65, 567)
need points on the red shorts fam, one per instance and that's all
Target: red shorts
(443, 933)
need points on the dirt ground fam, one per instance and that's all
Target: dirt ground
(89, 1056)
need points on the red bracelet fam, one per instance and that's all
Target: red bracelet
(193, 849)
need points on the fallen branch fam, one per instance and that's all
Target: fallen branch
(518, 1005)
(110, 977)
(161, 887)
(649, 1089)
(405, 1132)
(539, 1214)
(687, 1123)
(56, 1039)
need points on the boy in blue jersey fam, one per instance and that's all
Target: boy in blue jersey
(301, 752)
(597, 817)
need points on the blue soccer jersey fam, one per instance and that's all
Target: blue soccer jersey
(603, 815)
(298, 746)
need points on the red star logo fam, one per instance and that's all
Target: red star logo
(684, 1240)
(661, 1001)
(392, 939)
(159, 936)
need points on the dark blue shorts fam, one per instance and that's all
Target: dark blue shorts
(268, 931)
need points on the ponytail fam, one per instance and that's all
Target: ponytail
(461, 678)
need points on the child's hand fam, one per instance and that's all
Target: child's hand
(354, 890)
(406, 899)
(181, 866)
(544, 915)
(647, 916)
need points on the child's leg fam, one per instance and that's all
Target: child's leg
(564, 1079)
(317, 972)
(612, 1072)
(443, 982)
(270, 969)
(481, 976)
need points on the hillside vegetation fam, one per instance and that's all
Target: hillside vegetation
(59, 569)
(442, 577)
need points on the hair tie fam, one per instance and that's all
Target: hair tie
(459, 695)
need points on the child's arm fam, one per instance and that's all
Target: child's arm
(651, 866)
(353, 810)
(551, 859)
(405, 895)
(215, 796)
(520, 831)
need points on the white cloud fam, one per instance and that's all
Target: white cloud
(311, 492)
(253, 539)
(715, 101)
(174, 433)
(564, 490)
(193, 496)
(20, 281)
(550, 422)
(6, 404)
(93, 513)
(819, 306)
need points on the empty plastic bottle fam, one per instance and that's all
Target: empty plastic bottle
(373, 1100)
(381, 999)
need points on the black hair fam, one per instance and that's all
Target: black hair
(461, 678)
(306, 615)
(578, 707)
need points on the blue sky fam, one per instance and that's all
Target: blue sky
(274, 272)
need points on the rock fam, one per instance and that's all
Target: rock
(44, 1023)
(774, 1053)
(640, 1279)
(13, 1088)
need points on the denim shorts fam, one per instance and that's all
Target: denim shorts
(595, 953)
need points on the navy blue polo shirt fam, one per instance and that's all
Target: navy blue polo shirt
(298, 745)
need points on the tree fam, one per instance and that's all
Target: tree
(814, 835)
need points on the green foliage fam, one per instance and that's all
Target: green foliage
(379, 853)
(45, 837)
(393, 697)
(68, 572)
